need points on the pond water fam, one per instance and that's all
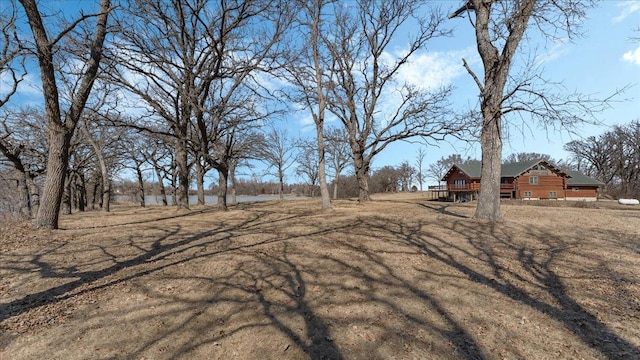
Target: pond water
(208, 199)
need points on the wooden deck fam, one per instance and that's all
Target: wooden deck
(474, 187)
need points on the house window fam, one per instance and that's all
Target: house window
(459, 183)
(527, 194)
(533, 180)
(553, 195)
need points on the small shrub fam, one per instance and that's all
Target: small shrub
(584, 204)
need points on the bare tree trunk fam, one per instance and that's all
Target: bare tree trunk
(183, 175)
(102, 191)
(281, 184)
(23, 191)
(163, 192)
(200, 182)
(322, 175)
(362, 175)
(223, 173)
(489, 198)
(66, 196)
(81, 192)
(94, 191)
(232, 177)
(140, 186)
(335, 187)
(105, 202)
(174, 181)
(34, 195)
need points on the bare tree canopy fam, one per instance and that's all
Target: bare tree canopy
(277, 150)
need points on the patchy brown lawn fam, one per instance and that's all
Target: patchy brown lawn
(397, 278)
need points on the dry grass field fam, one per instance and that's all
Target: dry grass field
(397, 278)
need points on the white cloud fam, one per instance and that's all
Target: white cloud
(434, 69)
(632, 56)
(628, 7)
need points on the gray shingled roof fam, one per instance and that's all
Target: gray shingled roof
(581, 179)
(473, 170)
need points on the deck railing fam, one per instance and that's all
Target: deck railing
(475, 187)
(467, 187)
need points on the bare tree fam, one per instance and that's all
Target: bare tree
(420, 175)
(156, 60)
(338, 153)
(406, 173)
(307, 69)
(158, 154)
(98, 132)
(81, 161)
(61, 125)
(367, 95)
(277, 151)
(499, 28)
(135, 146)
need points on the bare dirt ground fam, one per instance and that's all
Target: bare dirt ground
(397, 278)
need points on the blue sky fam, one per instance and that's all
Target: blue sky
(603, 60)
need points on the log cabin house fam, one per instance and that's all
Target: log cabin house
(530, 180)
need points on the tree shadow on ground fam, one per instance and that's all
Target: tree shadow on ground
(443, 210)
(198, 292)
(535, 271)
(284, 287)
(160, 249)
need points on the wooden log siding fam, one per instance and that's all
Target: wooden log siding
(583, 192)
(546, 184)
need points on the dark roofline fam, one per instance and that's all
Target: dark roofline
(507, 170)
